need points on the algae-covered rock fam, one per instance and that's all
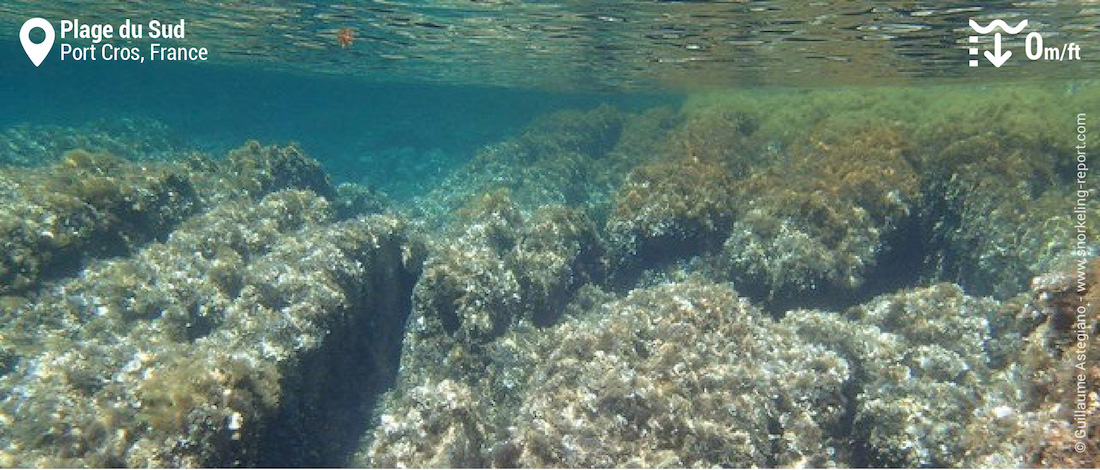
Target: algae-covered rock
(436, 424)
(1004, 217)
(1059, 367)
(573, 302)
(836, 187)
(85, 205)
(821, 221)
(214, 347)
(92, 205)
(999, 170)
(929, 377)
(670, 207)
(254, 170)
(353, 200)
(593, 132)
(679, 375)
(497, 270)
(569, 158)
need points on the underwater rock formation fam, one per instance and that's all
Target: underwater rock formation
(678, 375)
(689, 374)
(571, 298)
(353, 200)
(1059, 364)
(925, 375)
(497, 270)
(572, 158)
(87, 204)
(821, 221)
(1003, 217)
(835, 187)
(929, 387)
(91, 205)
(682, 375)
(668, 206)
(254, 170)
(998, 171)
(267, 290)
(195, 351)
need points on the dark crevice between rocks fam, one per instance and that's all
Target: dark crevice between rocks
(954, 247)
(198, 325)
(8, 359)
(775, 431)
(67, 264)
(850, 447)
(657, 254)
(900, 265)
(321, 422)
(943, 260)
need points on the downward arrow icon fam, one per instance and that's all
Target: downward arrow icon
(996, 57)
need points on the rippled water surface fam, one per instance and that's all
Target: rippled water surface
(608, 44)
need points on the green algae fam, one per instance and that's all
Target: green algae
(86, 205)
(791, 196)
(91, 205)
(534, 319)
(179, 354)
(575, 159)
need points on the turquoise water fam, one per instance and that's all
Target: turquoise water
(337, 117)
(552, 234)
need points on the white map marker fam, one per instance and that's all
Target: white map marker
(37, 52)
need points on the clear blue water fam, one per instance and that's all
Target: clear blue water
(837, 156)
(337, 118)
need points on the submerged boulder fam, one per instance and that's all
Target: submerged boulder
(679, 375)
(822, 221)
(930, 377)
(498, 270)
(84, 206)
(94, 205)
(211, 348)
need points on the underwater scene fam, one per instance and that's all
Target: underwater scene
(549, 233)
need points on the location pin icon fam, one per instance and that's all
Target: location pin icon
(37, 52)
